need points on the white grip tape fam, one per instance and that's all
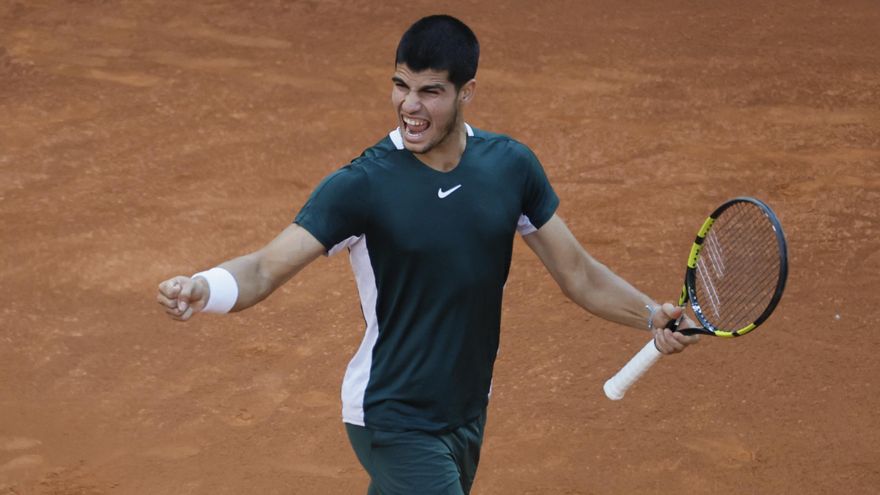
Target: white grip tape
(617, 385)
(224, 290)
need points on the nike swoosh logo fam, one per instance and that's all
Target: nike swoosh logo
(442, 194)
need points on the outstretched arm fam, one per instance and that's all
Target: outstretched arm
(256, 274)
(594, 287)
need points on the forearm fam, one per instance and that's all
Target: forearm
(253, 277)
(584, 280)
(258, 274)
(596, 288)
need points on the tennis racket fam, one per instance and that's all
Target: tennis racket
(735, 276)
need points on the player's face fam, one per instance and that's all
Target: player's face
(428, 107)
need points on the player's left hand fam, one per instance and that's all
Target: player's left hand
(667, 341)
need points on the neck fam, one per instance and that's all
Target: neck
(446, 155)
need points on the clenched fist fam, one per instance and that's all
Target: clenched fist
(182, 296)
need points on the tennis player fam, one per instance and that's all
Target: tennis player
(428, 216)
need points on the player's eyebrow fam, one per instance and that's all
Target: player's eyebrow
(433, 87)
(429, 87)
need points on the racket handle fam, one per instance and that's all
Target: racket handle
(617, 385)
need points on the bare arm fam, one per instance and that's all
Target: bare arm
(594, 287)
(584, 280)
(257, 274)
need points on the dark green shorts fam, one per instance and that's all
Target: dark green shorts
(417, 462)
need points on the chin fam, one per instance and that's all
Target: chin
(419, 148)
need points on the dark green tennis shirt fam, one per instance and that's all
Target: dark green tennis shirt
(430, 252)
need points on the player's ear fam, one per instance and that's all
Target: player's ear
(467, 91)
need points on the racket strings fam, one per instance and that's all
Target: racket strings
(737, 303)
(753, 262)
(715, 266)
(738, 268)
(744, 264)
(743, 294)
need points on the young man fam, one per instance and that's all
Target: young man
(428, 216)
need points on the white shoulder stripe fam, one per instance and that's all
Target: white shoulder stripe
(396, 138)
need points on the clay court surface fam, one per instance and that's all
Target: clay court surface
(145, 139)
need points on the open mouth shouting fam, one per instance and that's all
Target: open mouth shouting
(414, 128)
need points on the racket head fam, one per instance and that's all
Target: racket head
(737, 268)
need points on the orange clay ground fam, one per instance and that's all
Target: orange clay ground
(144, 139)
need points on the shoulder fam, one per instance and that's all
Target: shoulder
(502, 144)
(360, 168)
(504, 154)
(377, 158)
(378, 151)
(344, 181)
(372, 161)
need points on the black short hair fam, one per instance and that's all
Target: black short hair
(440, 42)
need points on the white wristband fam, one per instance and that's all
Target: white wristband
(224, 290)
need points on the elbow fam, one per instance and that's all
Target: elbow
(572, 284)
(580, 284)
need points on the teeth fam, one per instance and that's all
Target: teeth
(414, 122)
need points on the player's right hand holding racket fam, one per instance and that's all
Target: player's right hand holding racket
(669, 341)
(735, 277)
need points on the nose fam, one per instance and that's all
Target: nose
(411, 103)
